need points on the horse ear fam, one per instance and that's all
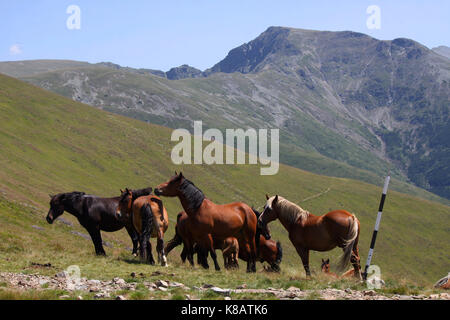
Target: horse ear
(121, 191)
(181, 174)
(328, 261)
(276, 199)
(323, 260)
(267, 196)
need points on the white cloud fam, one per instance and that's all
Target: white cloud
(15, 49)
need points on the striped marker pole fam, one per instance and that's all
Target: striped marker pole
(377, 225)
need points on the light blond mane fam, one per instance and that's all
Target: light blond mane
(288, 210)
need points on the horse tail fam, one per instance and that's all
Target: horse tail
(279, 253)
(160, 205)
(176, 240)
(147, 220)
(349, 242)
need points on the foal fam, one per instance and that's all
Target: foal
(326, 269)
(150, 220)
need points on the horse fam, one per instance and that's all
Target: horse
(149, 219)
(209, 222)
(94, 214)
(325, 266)
(319, 233)
(229, 247)
(326, 270)
(268, 250)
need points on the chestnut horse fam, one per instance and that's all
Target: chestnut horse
(319, 233)
(268, 250)
(326, 269)
(209, 221)
(229, 247)
(149, 219)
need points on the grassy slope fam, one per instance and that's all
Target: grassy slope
(51, 144)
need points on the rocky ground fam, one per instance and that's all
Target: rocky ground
(108, 289)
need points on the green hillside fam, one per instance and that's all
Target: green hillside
(51, 144)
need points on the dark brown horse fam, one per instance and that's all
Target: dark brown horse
(208, 221)
(319, 233)
(268, 250)
(94, 214)
(149, 219)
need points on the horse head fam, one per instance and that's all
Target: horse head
(268, 215)
(325, 266)
(56, 207)
(62, 202)
(171, 187)
(125, 202)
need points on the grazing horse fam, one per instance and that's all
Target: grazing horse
(319, 233)
(268, 250)
(149, 219)
(94, 214)
(209, 222)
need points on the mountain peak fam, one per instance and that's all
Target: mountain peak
(182, 72)
(249, 56)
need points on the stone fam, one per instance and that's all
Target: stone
(162, 283)
(225, 292)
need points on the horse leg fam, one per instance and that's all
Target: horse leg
(183, 254)
(160, 249)
(210, 247)
(97, 240)
(144, 246)
(189, 252)
(150, 254)
(134, 238)
(355, 261)
(304, 255)
(202, 256)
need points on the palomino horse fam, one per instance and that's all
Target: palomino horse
(268, 250)
(209, 221)
(94, 214)
(149, 219)
(319, 233)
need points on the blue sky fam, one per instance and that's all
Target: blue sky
(164, 34)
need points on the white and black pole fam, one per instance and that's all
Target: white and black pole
(377, 225)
